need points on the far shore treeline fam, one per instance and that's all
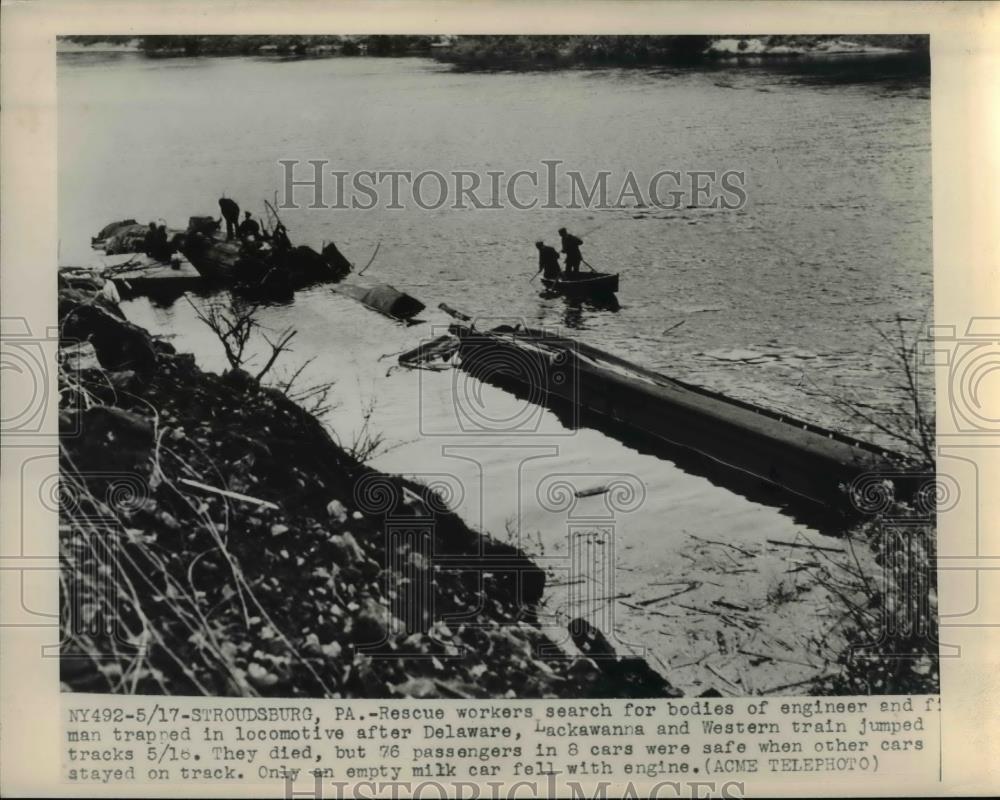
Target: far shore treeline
(531, 52)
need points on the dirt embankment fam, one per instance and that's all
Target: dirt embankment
(216, 540)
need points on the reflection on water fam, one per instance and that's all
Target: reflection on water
(834, 239)
(575, 314)
(891, 72)
(441, 427)
(760, 302)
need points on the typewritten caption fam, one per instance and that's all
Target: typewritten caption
(114, 740)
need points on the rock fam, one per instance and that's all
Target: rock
(183, 361)
(260, 677)
(164, 347)
(240, 380)
(371, 625)
(277, 530)
(110, 292)
(370, 569)
(584, 669)
(327, 630)
(119, 344)
(420, 688)
(117, 424)
(366, 678)
(79, 356)
(337, 510)
(345, 549)
(72, 298)
(332, 650)
(169, 520)
(416, 562)
(122, 380)
(311, 645)
(113, 439)
(235, 445)
(440, 630)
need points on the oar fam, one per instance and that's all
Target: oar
(274, 211)
(454, 312)
(372, 259)
(588, 264)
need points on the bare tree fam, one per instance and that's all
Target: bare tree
(314, 398)
(235, 326)
(367, 444)
(910, 420)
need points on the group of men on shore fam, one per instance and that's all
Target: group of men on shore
(156, 244)
(548, 257)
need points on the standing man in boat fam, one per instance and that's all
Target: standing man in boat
(231, 213)
(149, 242)
(571, 247)
(548, 261)
(162, 249)
(249, 229)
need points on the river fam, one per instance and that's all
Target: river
(778, 301)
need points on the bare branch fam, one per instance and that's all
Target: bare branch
(277, 348)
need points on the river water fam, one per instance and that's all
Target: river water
(778, 301)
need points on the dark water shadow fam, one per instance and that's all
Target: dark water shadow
(825, 519)
(895, 70)
(573, 314)
(802, 510)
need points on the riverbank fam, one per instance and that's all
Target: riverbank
(217, 541)
(560, 52)
(526, 52)
(245, 552)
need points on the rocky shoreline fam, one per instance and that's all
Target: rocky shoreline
(216, 540)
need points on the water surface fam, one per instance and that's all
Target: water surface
(778, 300)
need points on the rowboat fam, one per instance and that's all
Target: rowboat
(583, 284)
(700, 428)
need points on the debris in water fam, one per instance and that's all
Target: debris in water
(594, 490)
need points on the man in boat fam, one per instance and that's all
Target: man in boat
(149, 242)
(571, 247)
(249, 229)
(162, 248)
(548, 261)
(231, 214)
